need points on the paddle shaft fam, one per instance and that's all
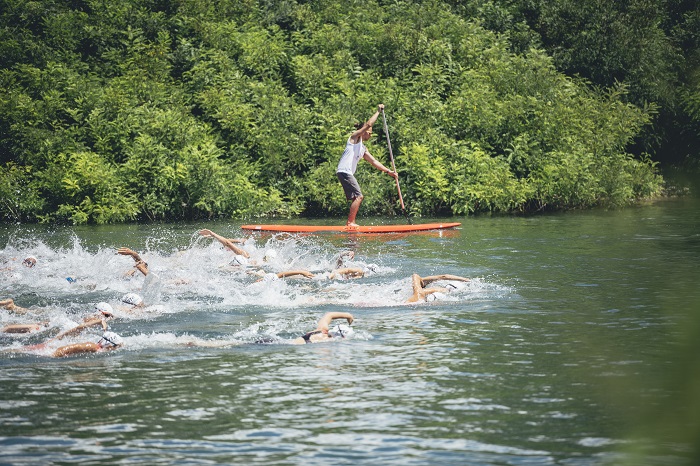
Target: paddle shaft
(391, 157)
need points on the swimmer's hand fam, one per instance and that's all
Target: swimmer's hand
(129, 252)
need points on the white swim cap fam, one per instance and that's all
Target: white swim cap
(132, 298)
(239, 260)
(454, 285)
(270, 277)
(270, 254)
(435, 296)
(110, 339)
(371, 268)
(104, 307)
(342, 331)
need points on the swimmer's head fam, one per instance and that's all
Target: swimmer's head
(455, 286)
(110, 340)
(435, 296)
(340, 331)
(29, 261)
(371, 268)
(270, 277)
(132, 298)
(270, 254)
(104, 308)
(239, 260)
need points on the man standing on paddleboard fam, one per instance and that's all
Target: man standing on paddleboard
(354, 150)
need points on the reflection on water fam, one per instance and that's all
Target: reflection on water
(565, 348)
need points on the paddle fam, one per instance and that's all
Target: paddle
(393, 167)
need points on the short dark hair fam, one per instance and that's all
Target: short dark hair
(359, 125)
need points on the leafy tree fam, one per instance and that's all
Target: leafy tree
(149, 110)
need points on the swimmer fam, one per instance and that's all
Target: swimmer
(227, 243)
(141, 265)
(10, 305)
(103, 314)
(108, 342)
(29, 262)
(420, 293)
(323, 333)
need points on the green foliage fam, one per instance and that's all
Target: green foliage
(86, 189)
(139, 109)
(651, 46)
(19, 200)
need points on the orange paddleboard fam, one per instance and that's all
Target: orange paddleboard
(346, 229)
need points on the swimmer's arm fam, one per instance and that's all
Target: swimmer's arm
(417, 285)
(10, 305)
(76, 330)
(129, 252)
(423, 293)
(291, 273)
(7, 303)
(433, 278)
(326, 320)
(349, 254)
(141, 265)
(22, 328)
(87, 347)
(224, 241)
(347, 272)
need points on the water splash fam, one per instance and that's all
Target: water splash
(197, 279)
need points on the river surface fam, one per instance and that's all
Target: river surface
(575, 343)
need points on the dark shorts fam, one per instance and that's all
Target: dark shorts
(350, 186)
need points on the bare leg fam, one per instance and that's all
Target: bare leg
(354, 208)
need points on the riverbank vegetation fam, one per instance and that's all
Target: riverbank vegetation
(151, 110)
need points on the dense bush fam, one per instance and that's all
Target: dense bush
(148, 110)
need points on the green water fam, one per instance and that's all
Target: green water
(575, 343)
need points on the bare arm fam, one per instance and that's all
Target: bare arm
(75, 348)
(417, 285)
(427, 280)
(349, 254)
(10, 305)
(291, 273)
(22, 328)
(347, 272)
(129, 252)
(368, 124)
(93, 322)
(326, 320)
(141, 265)
(224, 241)
(378, 165)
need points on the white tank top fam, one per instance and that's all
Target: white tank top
(352, 154)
